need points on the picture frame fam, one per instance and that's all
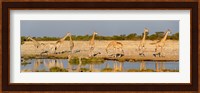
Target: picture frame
(7, 86)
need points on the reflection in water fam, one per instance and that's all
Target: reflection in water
(80, 65)
(118, 66)
(36, 64)
(54, 63)
(160, 67)
(142, 66)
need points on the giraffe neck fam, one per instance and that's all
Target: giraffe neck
(34, 41)
(92, 40)
(144, 37)
(62, 39)
(70, 38)
(165, 37)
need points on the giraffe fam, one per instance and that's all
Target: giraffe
(71, 43)
(161, 43)
(36, 43)
(115, 45)
(60, 42)
(141, 46)
(92, 44)
(44, 47)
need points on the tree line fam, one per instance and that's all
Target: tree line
(132, 36)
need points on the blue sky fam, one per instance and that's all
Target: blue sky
(58, 28)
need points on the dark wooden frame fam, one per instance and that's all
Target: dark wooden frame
(7, 86)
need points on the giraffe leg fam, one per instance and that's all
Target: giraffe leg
(143, 48)
(115, 54)
(140, 50)
(122, 52)
(156, 49)
(71, 49)
(156, 53)
(161, 52)
(91, 51)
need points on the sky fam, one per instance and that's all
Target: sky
(58, 28)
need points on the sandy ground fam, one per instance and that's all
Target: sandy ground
(170, 51)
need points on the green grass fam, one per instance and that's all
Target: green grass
(133, 70)
(107, 70)
(147, 70)
(57, 69)
(122, 59)
(84, 70)
(75, 61)
(170, 70)
(43, 70)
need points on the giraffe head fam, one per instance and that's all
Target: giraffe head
(68, 34)
(95, 33)
(168, 31)
(146, 30)
(28, 37)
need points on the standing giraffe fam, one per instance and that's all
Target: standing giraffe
(71, 43)
(161, 43)
(141, 46)
(92, 44)
(60, 42)
(115, 45)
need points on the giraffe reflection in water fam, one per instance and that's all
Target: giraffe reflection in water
(81, 64)
(160, 67)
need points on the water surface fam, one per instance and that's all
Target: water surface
(62, 65)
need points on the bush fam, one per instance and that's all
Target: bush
(107, 70)
(57, 69)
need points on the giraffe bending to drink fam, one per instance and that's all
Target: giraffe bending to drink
(60, 42)
(46, 48)
(115, 45)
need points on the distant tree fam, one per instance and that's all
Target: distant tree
(159, 35)
(175, 36)
(131, 36)
(23, 38)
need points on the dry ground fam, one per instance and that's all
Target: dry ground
(171, 49)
